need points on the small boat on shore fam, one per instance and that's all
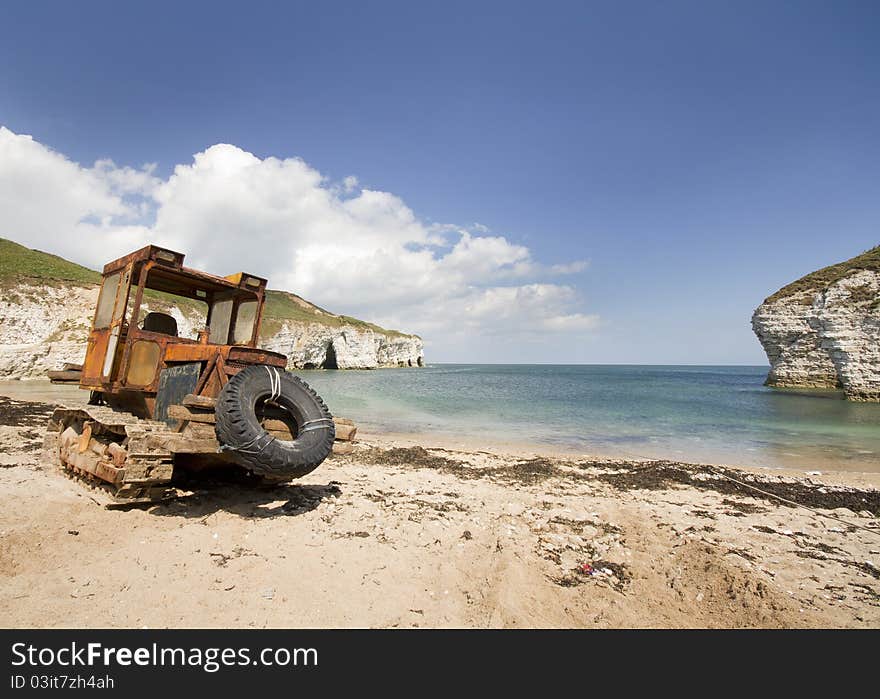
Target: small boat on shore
(69, 373)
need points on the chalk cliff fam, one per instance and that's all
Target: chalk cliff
(44, 322)
(823, 330)
(313, 346)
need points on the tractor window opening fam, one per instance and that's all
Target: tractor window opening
(170, 314)
(221, 318)
(244, 322)
(109, 290)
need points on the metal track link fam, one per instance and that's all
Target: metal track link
(117, 453)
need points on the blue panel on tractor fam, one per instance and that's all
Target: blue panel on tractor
(175, 382)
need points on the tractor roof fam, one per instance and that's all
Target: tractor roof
(168, 274)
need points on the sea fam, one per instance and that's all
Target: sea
(715, 414)
(709, 414)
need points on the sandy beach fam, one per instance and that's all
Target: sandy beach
(405, 533)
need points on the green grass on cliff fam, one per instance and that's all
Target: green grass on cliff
(19, 264)
(283, 306)
(825, 277)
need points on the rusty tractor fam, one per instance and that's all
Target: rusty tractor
(162, 403)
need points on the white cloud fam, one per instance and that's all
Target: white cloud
(49, 202)
(353, 250)
(570, 267)
(521, 310)
(349, 184)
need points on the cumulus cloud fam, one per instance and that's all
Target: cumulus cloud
(51, 203)
(346, 247)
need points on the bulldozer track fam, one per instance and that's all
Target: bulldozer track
(115, 453)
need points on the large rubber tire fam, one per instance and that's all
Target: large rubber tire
(240, 434)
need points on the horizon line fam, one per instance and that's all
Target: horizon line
(595, 364)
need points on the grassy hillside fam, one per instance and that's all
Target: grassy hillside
(283, 305)
(823, 278)
(19, 264)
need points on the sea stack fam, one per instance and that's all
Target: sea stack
(823, 330)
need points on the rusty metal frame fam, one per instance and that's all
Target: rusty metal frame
(220, 361)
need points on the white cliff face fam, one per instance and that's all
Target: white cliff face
(826, 338)
(404, 351)
(44, 326)
(315, 346)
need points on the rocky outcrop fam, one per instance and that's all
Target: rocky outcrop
(823, 331)
(314, 346)
(42, 326)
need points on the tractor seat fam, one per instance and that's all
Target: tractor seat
(160, 323)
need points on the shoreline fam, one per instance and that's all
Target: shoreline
(41, 390)
(527, 450)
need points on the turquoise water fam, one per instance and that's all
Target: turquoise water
(697, 413)
(692, 413)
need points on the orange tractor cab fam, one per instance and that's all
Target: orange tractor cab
(169, 399)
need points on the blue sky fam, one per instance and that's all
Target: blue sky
(698, 155)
